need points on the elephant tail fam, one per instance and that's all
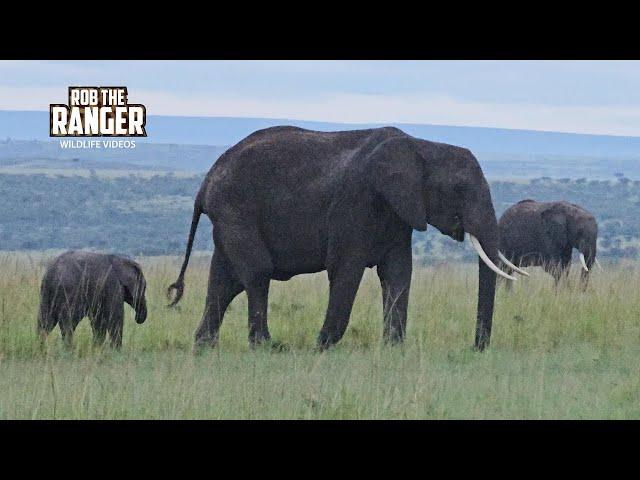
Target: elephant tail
(178, 285)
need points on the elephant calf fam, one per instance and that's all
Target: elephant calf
(545, 234)
(79, 284)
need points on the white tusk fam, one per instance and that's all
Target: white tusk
(584, 264)
(476, 244)
(598, 263)
(511, 265)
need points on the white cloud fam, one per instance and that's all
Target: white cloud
(363, 108)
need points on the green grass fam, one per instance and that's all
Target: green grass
(553, 355)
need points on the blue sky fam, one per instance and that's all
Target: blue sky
(586, 97)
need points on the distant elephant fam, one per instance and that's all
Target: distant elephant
(286, 201)
(545, 234)
(78, 284)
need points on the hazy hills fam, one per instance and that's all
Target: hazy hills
(36, 154)
(194, 143)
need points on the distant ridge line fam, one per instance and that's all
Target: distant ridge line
(216, 130)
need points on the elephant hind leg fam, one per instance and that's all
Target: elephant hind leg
(114, 320)
(250, 260)
(223, 287)
(68, 318)
(258, 297)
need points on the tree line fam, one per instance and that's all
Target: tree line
(139, 215)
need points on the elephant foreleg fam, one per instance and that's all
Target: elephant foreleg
(395, 278)
(344, 282)
(68, 318)
(115, 326)
(98, 327)
(558, 270)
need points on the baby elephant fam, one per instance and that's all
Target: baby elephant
(79, 284)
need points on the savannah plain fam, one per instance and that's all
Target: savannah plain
(554, 354)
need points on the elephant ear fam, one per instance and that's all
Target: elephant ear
(555, 222)
(130, 276)
(397, 173)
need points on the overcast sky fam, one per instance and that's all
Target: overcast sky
(585, 97)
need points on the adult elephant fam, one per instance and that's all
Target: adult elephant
(545, 234)
(286, 201)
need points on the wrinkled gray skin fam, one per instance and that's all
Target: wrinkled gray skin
(545, 234)
(286, 201)
(81, 284)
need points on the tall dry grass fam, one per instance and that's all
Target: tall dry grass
(554, 353)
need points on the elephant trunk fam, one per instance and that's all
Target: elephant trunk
(141, 311)
(486, 294)
(587, 249)
(482, 224)
(45, 322)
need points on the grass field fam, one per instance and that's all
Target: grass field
(553, 355)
